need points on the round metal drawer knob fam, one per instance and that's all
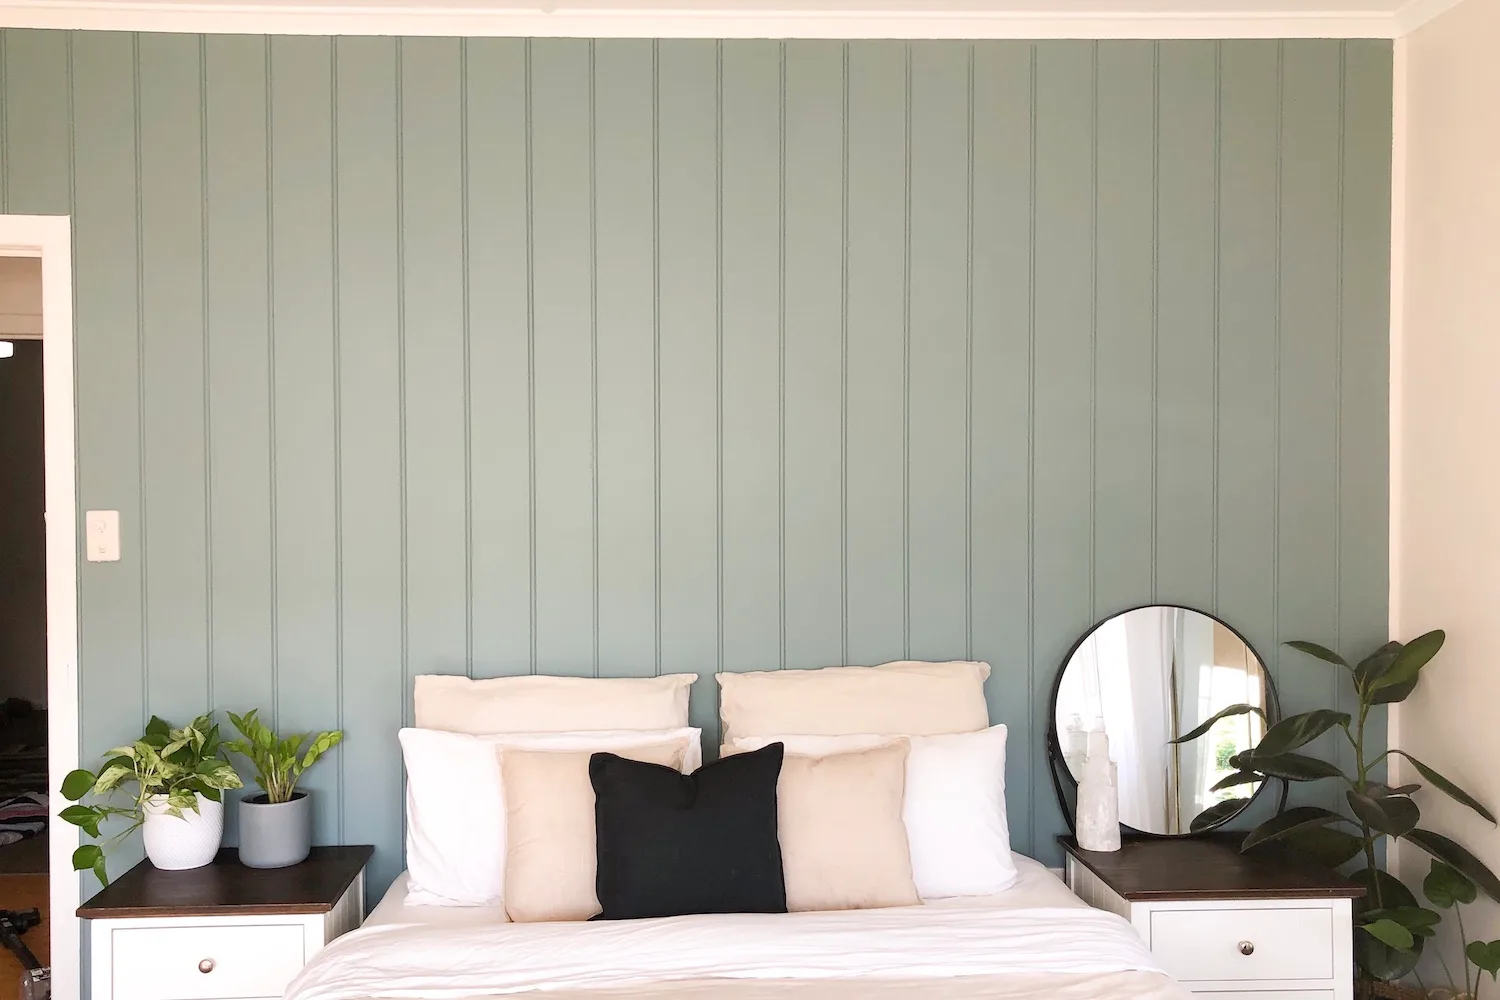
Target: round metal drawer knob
(207, 965)
(1247, 947)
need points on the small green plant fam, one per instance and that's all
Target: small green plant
(180, 764)
(279, 761)
(1447, 888)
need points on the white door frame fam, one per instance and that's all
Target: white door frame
(50, 237)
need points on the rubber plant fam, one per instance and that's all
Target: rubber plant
(180, 764)
(1391, 926)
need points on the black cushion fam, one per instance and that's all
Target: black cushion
(671, 843)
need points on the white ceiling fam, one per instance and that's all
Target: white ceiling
(747, 18)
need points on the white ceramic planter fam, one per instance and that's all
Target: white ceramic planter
(191, 840)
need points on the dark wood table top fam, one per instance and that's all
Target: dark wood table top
(228, 888)
(1147, 869)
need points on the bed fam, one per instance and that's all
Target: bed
(1034, 940)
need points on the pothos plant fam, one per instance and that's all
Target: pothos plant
(1391, 925)
(177, 765)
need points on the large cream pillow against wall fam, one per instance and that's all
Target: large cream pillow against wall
(537, 703)
(909, 697)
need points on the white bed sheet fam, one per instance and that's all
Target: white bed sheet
(1035, 886)
(1035, 940)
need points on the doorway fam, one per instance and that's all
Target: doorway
(43, 705)
(24, 781)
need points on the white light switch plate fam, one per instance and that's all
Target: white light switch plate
(101, 535)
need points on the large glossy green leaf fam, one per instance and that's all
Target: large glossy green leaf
(76, 784)
(1458, 856)
(1382, 889)
(1299, 730)
(1223, 713)
(1216, 814)
(1394, 694)
(1321, 652)
(1326, 845)
(91, 857)
(1390, 933)
(1285, 823)
(1421, 921)
(1237, 778)
(1290, 766)
(1375, 957)
(1446, 886)
(1375, 664)
(1410, 660)
(1486, 956)
(1391, 814)
(87, 818)
(158, 727)
(1447, 787)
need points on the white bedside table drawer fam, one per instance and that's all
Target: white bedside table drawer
(1270, 995)
(167, 963)
(1200, 945)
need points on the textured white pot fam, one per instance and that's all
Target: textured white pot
(176, 843)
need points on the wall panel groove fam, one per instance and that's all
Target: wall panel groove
(622, 357)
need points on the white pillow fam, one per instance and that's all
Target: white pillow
(539, 703)
(954, 809)
(455, 805)
(910, 697)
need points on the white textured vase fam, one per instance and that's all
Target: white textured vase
(176, 843)
(1098, 818)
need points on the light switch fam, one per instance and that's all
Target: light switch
(101, 539)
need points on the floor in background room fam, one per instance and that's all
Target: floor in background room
(22, 892)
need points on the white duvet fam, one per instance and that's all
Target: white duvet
(447, 955)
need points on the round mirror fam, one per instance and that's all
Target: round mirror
(1159, 680)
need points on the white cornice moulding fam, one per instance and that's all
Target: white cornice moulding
(1418, 12)
(706, 22)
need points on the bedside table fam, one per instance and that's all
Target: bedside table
(222, 931)
(1262, 926)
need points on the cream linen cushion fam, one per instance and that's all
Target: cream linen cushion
(843, 845)
(954, 809)
(550, 858)
(908, 697)
(537, 703)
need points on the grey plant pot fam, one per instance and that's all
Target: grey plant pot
(275, 835)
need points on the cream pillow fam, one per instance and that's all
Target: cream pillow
(954, 808)
(550, 859)
(908, 697)
(843, 844)
(537, 703)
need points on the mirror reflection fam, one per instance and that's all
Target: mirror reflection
(1149, 676)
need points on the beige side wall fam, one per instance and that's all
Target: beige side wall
(1447, 394)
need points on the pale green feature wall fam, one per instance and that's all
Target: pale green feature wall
(619, 357)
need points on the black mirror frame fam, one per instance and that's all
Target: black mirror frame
(1058, 768)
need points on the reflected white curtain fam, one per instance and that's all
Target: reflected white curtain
(1125, 680)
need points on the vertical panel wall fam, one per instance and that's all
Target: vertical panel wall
(497, 356)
